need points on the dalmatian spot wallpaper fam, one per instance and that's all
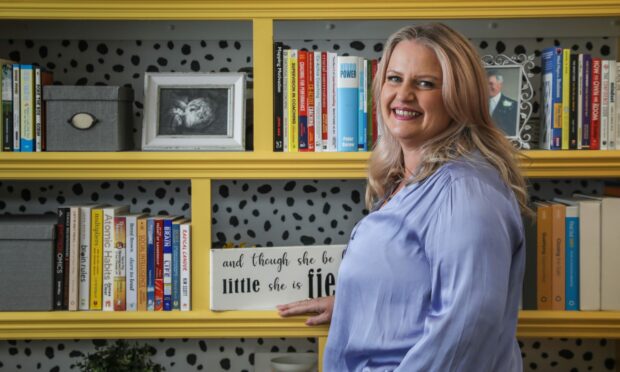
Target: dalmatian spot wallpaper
(261, 213)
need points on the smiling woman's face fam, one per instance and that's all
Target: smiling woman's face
(411, 101)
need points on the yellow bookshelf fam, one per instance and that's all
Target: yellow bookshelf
(201, 168)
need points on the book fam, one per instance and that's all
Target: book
(186, 274)
(278, 135)
(310, 106)
(59, 261)
(96, 258)
(85, 253)
(332, 101)
(176, 263)
(565, 98)
(604, 112)
(131, 260)
(302, 99)
(551, 130)
(318, 102)
(74, 258)
(362, 120)
(544, 255)
(142, 263)
(611, 117)
(167, 260)
(67, 258)
(27, 108)
(109, 254)
(286, 55)
(120, 262)
(325, 108)
(42, 78)
(617, 105)
(573, 126)
(579, 110)
(293, 108)
(595, 116)
(572, 253)
(586, 101)
(16, 107)
(347, 88)
(6, 105)
(150, 264)
(558, 260)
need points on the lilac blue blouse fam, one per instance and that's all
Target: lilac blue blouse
(432, 280)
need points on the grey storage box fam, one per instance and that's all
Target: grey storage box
(27, 262)
(88, 118)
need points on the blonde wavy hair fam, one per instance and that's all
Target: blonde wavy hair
(465, 95)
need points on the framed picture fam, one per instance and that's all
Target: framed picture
(510, 93)
(194, 112)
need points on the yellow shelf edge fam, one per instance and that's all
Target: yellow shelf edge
(318, 9)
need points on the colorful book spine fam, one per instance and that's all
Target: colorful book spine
(362, 121)
(131, 262)
(142, 263)
(59, 261)
(293, 102)
(278, 135)
(120, 262)
(27, 108)
(96, 259)
(325, 85)
(369, 103)
(186, 277)
(310, 101)
(543, 261)
(558, 261)
(85, 253)
(572, 257)
(167, 264)
(110, 254)
(318, 102)
(286, 55)
(551, 133)
(347, 88)
(302, 99)
(16, 108)
(332, 101)
(159, 264)
(38, 110)
(573, 126)
(565, 98)
(595, 122)
(150, 266)
(6, 74)
(176, 265)
(586, 100)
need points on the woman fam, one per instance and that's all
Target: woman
(431, 278)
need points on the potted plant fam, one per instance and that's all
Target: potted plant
(120, 356)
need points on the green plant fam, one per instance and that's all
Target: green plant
(120, 356)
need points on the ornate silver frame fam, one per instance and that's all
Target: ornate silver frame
(525, 64)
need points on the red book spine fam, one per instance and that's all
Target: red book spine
(310, 95)
(595, 123)
(302, 94)
(159, 265)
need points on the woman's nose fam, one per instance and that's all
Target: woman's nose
(405, 93)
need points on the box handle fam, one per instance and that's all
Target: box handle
(83, 120)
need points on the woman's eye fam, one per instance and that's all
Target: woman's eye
(394, 79)
(426, 84)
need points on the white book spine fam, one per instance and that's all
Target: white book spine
(604, 104)
(131, 264)
(589, 255)
(109, 256)
(610, 254)
(74, 262)
(186, 264)
(617, 109)
(318, 120)
(611, 121)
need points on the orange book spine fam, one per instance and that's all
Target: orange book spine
(142, 264)
(543, 262)
(558, 262)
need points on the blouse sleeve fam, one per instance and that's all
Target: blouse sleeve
(469, 246)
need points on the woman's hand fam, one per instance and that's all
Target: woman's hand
(322, 306)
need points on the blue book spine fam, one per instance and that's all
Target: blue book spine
(150, 265)
(167, 264)
(572, 260)
(552, 98)
(27, 108)
(176, 266)
(347, 85)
